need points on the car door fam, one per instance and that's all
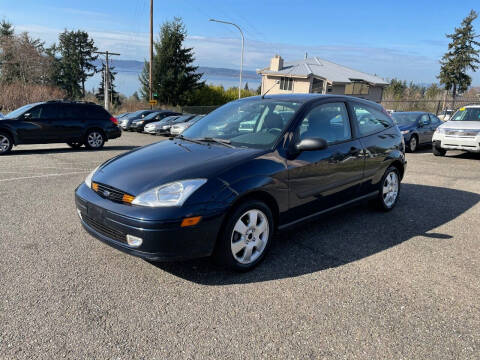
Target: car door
(379, 138)
(425, 132)
(321, 179)
(37, 124)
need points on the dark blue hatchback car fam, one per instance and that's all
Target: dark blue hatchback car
(247, 169)
(417, 127)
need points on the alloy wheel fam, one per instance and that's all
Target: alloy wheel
(390, 189)
(413, 144)
(4, 143)
(250, 236)
(95, 139)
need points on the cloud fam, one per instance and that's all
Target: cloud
(407, 62)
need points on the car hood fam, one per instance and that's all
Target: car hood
(461, 125)
(153, 165)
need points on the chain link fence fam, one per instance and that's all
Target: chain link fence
(437, 107)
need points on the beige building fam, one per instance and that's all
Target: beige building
(315, 75)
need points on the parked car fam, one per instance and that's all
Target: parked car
(446, 114)
(417, 127)
(139, 124)
(74, 123)
(126, 122)
(177, 129)
(462, 132)
(225, 192)
(181, 119)
(1, 116)
(155, 127)
(163, 128)
(122, 115)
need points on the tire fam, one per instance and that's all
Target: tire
(438, 151)
(412, 144)
(75, 145)
(388, 191)
(6, 143)
(94, 140)
(237, 239)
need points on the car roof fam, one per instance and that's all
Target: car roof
(305, 98)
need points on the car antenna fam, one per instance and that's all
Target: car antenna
(266, 92)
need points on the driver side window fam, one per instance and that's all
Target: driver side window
(327, 121)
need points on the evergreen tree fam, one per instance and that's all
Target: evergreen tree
(114, 95)
(461, 57)
(174, 77)
(246, 86)
(75, 63)
(6, 29)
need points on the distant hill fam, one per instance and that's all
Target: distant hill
(134, 66)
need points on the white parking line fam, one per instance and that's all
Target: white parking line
(42, 176)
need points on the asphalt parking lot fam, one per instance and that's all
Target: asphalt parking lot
(354, 285)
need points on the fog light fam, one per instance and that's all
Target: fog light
(134, 241)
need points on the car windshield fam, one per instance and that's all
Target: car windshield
(136, 114)
(151, 116)
(255, 122)
(183, 118)
(16, 113)
(404, 119)
(467, 114)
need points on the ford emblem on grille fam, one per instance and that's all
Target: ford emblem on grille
(106, 193)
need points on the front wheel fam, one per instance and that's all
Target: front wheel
(438, 151)
(389, 190)
(94, 140)
(246, 236)
(6, 143)
(412, 144)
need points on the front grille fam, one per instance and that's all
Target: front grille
(461, 133)
(104, 229)
(110, 193)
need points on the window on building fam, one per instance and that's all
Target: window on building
(286, 83)
(317, 86)
(356, 88)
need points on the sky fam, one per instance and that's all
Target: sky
(401, 39)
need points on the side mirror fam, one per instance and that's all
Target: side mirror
(27, 116)
(311, 144)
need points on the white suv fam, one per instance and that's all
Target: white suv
(461, 132)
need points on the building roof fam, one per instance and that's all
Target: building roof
(323, 69)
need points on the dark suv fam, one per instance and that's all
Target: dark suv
(74, 123)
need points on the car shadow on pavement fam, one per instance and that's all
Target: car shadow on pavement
(342, 237)
(67, 149)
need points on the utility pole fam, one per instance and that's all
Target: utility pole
(106, 78)
(150, 89)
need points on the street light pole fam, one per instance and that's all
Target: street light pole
(241, 59)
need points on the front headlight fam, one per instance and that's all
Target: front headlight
(405, 132)
(166, 127)
(140, 122)
(88, 179)
(440, 131)
(171, 194)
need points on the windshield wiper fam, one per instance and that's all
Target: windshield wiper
(188, 139)
(217, 141)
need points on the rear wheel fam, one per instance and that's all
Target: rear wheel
(6, 143)
(438, 151)
(246, 236)
(389, 190)
(75, 145)
(94, 140)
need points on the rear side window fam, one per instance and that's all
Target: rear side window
(435, 120)
(95, 113)
(370, 120)
(49, 112)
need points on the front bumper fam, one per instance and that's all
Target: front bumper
(446, 142)
(163, 237)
